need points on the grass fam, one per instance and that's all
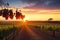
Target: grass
(48, 26)
(52, 29)
(6, 28)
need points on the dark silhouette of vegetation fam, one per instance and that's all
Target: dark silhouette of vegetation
(9, 14)
(6, 32)
(19, 15)
(7, 4)
(5, 13)
(22, 17)
(50, 29)
(3, 4)
(0, 12)
(50, 19)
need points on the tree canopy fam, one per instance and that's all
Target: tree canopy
(9, 14)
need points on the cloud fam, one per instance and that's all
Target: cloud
(43, 3)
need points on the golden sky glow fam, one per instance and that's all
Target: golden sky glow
(38, 14)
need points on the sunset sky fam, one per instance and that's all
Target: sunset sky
(36, 9)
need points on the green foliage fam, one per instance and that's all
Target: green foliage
(58, 29)
(50, 29)
(37, 27)
(6, 29)
(48, 26)
(4, 33)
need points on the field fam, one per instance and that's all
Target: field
(51, 28)
(6, 29)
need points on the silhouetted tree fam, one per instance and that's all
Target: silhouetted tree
(11, 14)
(22, 17)
(18, 15)
(5, 13)
(0, 12)
(50, 19)
(7, 5)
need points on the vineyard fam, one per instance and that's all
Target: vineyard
(50, 28)
(9, 30)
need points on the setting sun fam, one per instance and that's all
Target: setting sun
(29, 19)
